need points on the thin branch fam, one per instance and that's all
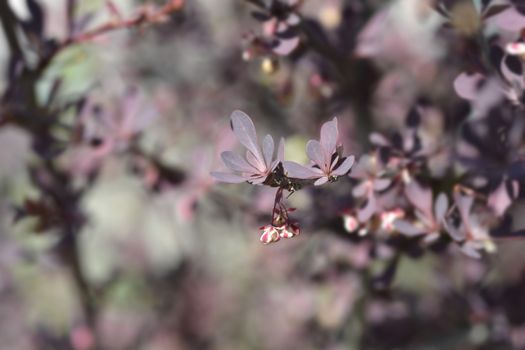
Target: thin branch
(9, 25)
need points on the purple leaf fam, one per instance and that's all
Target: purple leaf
(420, 197)
(345, 167)
(365, 213)
(406, 228)
(381, 184)
(286, 46)
(235, 162)
(363, 168)
(298, 171)
(510, 20)
(511, 71)
(456, 234)
(470, 250)
(360, 190)
(467, 85)
(227, 177)
(440, 207)
(494, 10)
(464, 204)
(329, 134)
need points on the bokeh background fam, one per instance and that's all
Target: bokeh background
(179, 265)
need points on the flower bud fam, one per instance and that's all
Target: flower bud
(351, 223)
(269, 234)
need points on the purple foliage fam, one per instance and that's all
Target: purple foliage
(430, 97)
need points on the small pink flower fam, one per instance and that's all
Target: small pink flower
(259, 163)
(388, 219)
(350, 223)
(269, 234)
(515, 48)
(429, 214)
(281, 226)
(324, 154)
(289, 231)
(472, 232)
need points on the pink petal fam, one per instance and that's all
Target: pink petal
(321, 181)
(280, 150)
(227, 177)
(515, 48)
(317, 154)
(500, 200)
(345, 167)
(299, 171)
(235, 162)
(267, 148)
(257, 180)
(257, 163)
(245, 132)
(329, 135)
(280, 154)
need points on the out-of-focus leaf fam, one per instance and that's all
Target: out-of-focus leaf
(514, 64)
(494, 10)
(467, 85)
(260, 16)
(440, 207)
(406, 228)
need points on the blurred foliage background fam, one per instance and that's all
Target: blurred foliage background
(179, 265)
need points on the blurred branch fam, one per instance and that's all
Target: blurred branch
(20, 105)
(9, 24)
(146, 16)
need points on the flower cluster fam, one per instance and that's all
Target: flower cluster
(280, 35)
(260, 168)
(281, 225)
